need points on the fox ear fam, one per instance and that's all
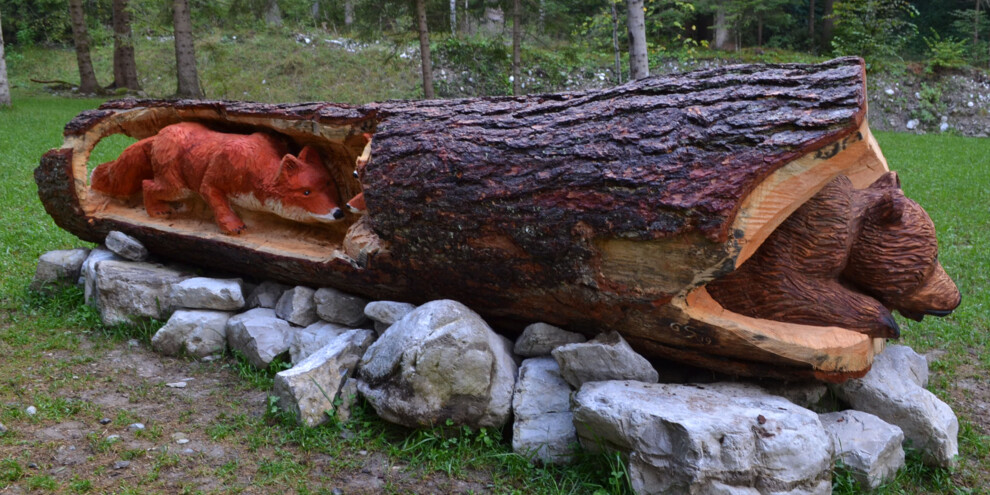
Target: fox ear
(310, 155)
(289, 165)
(886, 210)
(888, 180)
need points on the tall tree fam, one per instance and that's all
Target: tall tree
(516, 46)
(722, 37)
(811, 23)
(273, 14)
(348, 12)
(639, 64)
(4, 86)
(80, 36)
(185, 53)
(124, 67)
(424, 49)
(828, 24)
(453, 17)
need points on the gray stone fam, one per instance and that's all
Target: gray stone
(716, 438)
(805, 394)
(606, 357)
(297, 307)
(3, 429)
(543, 427)
(126, 246)
(31, 410)
(539, 339)
(176, 385)
(121, 464)
(869, 447)
(914, 365)
(912, 124)
(197, 333)
(385, 313)
(266, 295)
(306, 341)
(135, 426)
(60, 267)
(891, 391)
(339, 307)
(88, 273)
(208, 293)
(346, 400)
(259, 335)
(439, 362)
(128, 290)
(308, 390)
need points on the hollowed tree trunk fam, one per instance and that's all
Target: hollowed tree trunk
(598, 210)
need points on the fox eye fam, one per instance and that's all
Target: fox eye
(306, 192)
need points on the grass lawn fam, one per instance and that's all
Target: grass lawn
(55, 353)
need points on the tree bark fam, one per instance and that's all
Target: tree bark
(424, 49)
(124, 66)
(348, 12)
(722, 34)
(185, 52)
(639, 64)
(453, 17)
(80, 36)
(828, 24)
(605, 209)
(615, 43)
(516, 46)
(811, 22)
(4, 85)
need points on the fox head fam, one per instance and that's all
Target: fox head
(304, 189)
(895, 256)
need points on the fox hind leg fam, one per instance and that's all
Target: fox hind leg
(159, 197)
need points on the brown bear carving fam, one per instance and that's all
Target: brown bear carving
(846, 258)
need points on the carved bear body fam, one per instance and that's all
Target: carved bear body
(252, 171)
(846, 258)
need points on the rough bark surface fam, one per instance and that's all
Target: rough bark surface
(424, 49)
(639, 66)
(506, 203)
(4, 85)
(80, 36)
(124, 66)
(516, 46)
(185, 53)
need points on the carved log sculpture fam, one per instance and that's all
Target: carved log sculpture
(601, 210)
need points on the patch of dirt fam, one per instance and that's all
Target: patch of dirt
(971, 395)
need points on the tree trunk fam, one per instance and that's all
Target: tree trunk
(516, 46)
(424, 49)
(4, 85)
(185, 52)
(541, 19)
(615, 43)
(811, 22)
(639, 64)
(828, 25)
(722, 35)
(453, 17)
(124, 66)
(80, 36)
(976, 24)
(348, 12)
(273, 14)
(599, 210)
(759, 30)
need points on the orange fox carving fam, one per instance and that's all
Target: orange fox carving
(250, 171)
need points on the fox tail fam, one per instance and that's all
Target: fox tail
(122, 177)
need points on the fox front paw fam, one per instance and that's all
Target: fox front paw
(232, 228)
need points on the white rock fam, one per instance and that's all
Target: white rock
(339, 307)
(31, 410)
(869, 447)
(543, 427)
(176, 385)
(297, 307)
(135, 426)
(128, 290)
(891, 391)
(912, 124)
(970, 104)
(126, 246)
(266, 295)
(539, 339)
(385, 313)
(439, 362)
(717, 438)
(88, 273)
(310, 388)
(606, 357)
(60, 267)
(889, 91)
(306, 341)
(208, 293)
(943, 127)
(259, 335)
(198, 333)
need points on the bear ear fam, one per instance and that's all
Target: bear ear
(888, 180)
(310, 155)
(886, 210)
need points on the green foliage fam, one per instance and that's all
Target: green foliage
(876, 30)
(489, 58)
(930, 105)
(944, 53)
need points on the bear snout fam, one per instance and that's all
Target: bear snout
(937, 295)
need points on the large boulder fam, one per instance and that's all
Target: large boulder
(128, 290)
(606, 357)
(209, 293)
(297, 307)
(310, 388)
(88, 273)
(305, 341)
(340, 307)
(539, 339)
(259, 335)
(869, 447)
(439, 362)
(197, 333)
(892, 392)
(716, 438)
(60, 267)
(543, 427)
